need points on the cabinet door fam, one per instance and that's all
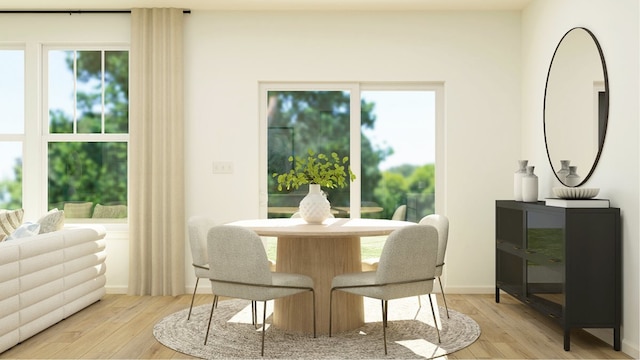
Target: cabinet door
(509, 245)
(593, 269)
(545, 253)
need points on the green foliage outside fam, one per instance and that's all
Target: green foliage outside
(297, 121)
(92, 171)
(11, 189)
(320, 120)
(86, 171)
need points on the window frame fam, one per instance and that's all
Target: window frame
(46, 137)
(355, 89)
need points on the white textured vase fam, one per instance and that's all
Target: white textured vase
(530, 186)
(517, 179)
(315, 207)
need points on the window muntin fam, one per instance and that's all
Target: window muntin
(87, 144)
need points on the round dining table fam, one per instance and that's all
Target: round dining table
(320, 251)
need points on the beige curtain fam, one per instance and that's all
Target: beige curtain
(157, 225)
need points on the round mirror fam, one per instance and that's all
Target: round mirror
(576, 106)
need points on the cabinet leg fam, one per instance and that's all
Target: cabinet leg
(567, 339)
(616, 339)
(497, 294)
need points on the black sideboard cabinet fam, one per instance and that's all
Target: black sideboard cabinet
(564, 262)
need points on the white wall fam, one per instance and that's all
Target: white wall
(493, 65)
(227, 54)
(616, 25)
(476, 55)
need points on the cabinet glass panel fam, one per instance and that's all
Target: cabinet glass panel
(511, 227)
(545, 254)
(510, 272)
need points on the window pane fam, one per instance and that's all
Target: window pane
(298, 121)
(10, 175)
(12, 92)
(61, 91)
(116, 116)
(87, 172)
(89, 91)
(402, 138)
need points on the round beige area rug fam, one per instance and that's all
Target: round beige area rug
(410, 334)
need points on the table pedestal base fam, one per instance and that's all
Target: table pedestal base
(321, 259)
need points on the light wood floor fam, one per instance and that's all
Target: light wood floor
(120, 326)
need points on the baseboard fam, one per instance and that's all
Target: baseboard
(468, 289)
(631, 349)
(606, 335)
(116, 289)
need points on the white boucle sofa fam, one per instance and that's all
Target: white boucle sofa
(48, 277)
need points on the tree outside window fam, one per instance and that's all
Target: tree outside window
(88, 124)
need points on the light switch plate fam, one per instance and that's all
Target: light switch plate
(222, 167)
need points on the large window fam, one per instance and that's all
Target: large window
(11, 127)
(389, 132)
(87, 131)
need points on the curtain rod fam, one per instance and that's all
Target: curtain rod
(72, 12)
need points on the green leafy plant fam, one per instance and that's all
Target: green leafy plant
(326, 171)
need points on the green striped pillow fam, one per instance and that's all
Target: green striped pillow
(10, 220)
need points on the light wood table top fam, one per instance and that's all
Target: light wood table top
(330, 227)
(334, 210)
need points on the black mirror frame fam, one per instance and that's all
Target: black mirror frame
(606, 106)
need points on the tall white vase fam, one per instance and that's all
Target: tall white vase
(530, 186)
(315, 208)
(517, 179)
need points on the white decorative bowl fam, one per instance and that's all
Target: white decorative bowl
(575, 193)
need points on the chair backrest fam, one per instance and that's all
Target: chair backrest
(441, 223)
(198, 228)
(236, 254)
(400, 213)
(409, 253)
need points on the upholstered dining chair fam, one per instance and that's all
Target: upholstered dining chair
(407, 268)
(198, 228)
(239, 268)
(400, 213)
(441, 223)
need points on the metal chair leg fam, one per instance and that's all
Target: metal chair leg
(385, 308)
(435, 321)
(443, 297)
(254, 314)
(193, 297)
(264, 321)
(213, 306)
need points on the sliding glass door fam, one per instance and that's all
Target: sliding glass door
(389, 134)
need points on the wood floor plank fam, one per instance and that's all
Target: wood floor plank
(121, 326)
